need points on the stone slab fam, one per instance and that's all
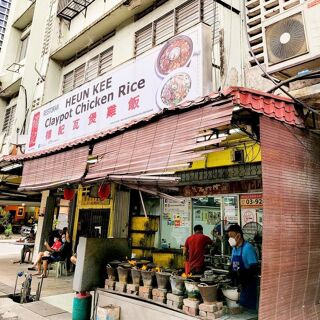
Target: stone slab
(6, 289)
(159, 293)
(174, 297)
(43, 309)
(208, 307)
(191, 303)
(62, 316)
(120, 287)
(190, 311)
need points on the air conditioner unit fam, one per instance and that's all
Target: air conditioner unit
(292, 41)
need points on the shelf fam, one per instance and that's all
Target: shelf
(142, 248)
(143, 231)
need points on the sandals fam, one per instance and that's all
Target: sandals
(32, 268)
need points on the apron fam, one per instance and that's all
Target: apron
(248, 293)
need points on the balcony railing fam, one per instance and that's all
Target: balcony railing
(68, 9)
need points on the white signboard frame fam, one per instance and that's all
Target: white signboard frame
(138, 88)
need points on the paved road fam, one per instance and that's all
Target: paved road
(9, 248)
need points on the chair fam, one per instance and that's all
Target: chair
(60, 268)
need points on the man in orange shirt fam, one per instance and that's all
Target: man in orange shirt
(195, 248)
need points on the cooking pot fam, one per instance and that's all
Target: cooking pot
(163, 279)
(177, 285)
(192, 289)
(147, 277)
(208, 292)
(232, 295)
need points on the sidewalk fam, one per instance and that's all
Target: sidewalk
(56, 290)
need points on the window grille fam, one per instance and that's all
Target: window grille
(9, 119)
(144, 39)
(164, 28)
(79, 75)
(180, 19)
(92, 68)
(88, 71)
(67, 82)
(105, 62)
(188, 15)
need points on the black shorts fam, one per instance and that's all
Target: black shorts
(52, 258)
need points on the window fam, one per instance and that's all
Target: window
(79, 75)
(9, 119)
(144, 39)
(164, 28)
(23, 47)
(88, 71)
(182, 18)
(105, 61)
(92, 68)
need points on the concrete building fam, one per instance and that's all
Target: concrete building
(62, 59)
(4, 13)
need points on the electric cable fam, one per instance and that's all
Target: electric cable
(299, 102)
(310, 75)
(214, 42)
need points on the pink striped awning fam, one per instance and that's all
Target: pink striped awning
(54, 170)
(163, 146)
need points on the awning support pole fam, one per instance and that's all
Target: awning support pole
(142, 202)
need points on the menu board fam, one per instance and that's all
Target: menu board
(176, 222)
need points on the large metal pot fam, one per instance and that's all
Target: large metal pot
(163, 279)
(208, 292)
(147, 277)
(177, 285)
(136, 276)
(192, 289)
(123, 274)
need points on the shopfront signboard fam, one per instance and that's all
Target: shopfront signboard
(251, 200)
(175, 71)
(251, 208)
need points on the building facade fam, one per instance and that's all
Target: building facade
(4, 13)
(138, 88)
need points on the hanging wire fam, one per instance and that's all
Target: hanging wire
(275, 82)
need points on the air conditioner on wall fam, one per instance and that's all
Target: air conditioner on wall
(292, 40)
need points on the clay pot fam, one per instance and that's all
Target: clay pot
(163, 279)
(112, 273)
(136, 276)
(177, 285)
(208, 292)
(192, 289)
(147, 277)
(123, 274)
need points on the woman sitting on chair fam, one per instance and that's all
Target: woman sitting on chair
(52, 254)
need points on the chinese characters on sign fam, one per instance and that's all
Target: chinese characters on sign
(136, 89)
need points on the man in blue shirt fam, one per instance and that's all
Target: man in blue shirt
(244, 263)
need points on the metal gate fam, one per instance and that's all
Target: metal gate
(93, 223)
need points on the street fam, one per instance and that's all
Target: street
(9, 249)
(54, 291)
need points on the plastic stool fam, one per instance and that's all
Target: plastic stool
(60, 268)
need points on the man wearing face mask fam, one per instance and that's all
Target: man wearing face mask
(244, 263)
